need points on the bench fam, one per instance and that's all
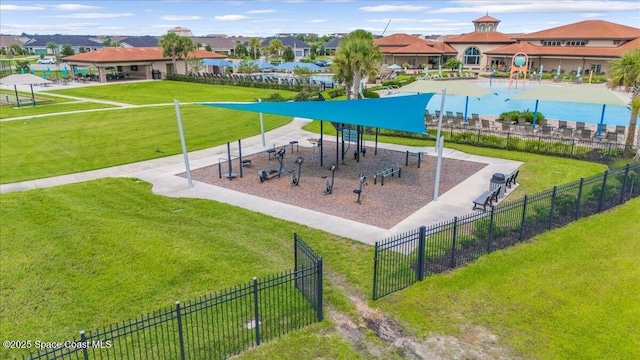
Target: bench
(511, 179)
(246, 162)
(386, 172)
(487, 198)
(417, 154)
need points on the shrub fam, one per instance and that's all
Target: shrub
(275, 97)
(305, 95)
(565, 203)
(370, 94)
(526, 114)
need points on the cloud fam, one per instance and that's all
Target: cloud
(593, 15)
(408, 20)
(318, 21)
(92, 16)
(180, 18)
(20, 8)
(494, 7)
(271, 20)
(231, 18)
(265, 11)
(394, 8)
(76, 7)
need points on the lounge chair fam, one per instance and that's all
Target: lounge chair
(621, 129)
(522, 121)
(475, 117)
(507, 119)
(562, 124)
(459, 115)
(449, 114)
(602, 128)
(457, 122)
(546, 130)
(486, 124)
(472, 123)
(528, 129)
(612, 137)
(506, 126)
(542, 122)
(567, 132)
(585, 134)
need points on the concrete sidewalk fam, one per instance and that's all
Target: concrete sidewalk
(162, 173)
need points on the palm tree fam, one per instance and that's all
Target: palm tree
(254, 44)
(357, 56)
(276, 46)
(625, 72)
(185, 46)
(170, 44)
(53, 47)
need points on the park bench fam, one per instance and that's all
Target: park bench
(511, 179)
(386, 172)
(487, 198)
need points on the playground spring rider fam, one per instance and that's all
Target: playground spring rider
(328, 187)
(296, 180)
(270, 174)
(363, 182)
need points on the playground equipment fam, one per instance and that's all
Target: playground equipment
(230, 174)
(265, 175)
(328, 187)
(519, 64)
(295, 180)
(363, 182)
(389, 171)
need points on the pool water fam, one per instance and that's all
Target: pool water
(493, 105)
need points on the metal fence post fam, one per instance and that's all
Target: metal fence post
(421, 250)
(604, 184)
(624, 182)
(524, 212)
(83, 339)
(577, 214)
(180, 335)
(375, 272)
(255, 310)
(491, 219)
(508, 136)
(573, 145)
(453, 244)
(553, 205)
(295, 253)
(319, 290)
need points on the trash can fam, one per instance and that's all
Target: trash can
(498, 179)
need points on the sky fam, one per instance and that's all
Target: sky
(267, 18)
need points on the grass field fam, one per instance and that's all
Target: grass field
(86, 255)
(162, 92)
(569, 294)
(57, 145)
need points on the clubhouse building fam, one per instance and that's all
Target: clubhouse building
(588, 45)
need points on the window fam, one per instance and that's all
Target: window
(472, 56)
(481, 27)
(596, 68)
(576, 43)
(134, 67)
(551, 43)
(490, 28)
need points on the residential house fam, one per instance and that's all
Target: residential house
(220, 45)
(140, 41)
(300, 48)
(418, 53)
(37, 44)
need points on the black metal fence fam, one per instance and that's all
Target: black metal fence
(215, 326)
(407, 258)
(591, 149)
(247, 81)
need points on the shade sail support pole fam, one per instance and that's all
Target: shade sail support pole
(466, 107)
(321, 142)
(264, 143)
(183, 143)
(535, 114)
(439, 145)
(601, 121)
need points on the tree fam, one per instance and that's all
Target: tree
(15, 49)
(246, 67)
(302, 73)
(453, 64)
(275, 47)
(170, 44)
(53, 47)
(240, 50)
(68, 50)
(195, 64)
(82, 50)
(186, 46)
(208, 48)
(106, 42)
(22, 66)
(254, 44)
(357, 56)
(314, 52)
(625, 72)
(288, 55)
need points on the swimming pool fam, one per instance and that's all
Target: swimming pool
(493, 105)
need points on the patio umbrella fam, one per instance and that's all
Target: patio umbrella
(395, 67)
(588, 95)
(459, 88)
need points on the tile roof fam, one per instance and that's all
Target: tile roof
(7, 40)
(417, 48)
(585, 30)
(332, 44)
(121, 54)
(216, 42)
(140, 41)
(482, 38)
(71, 40)
(289, 41)
(398, 40)
(486, 18)
(579, 51)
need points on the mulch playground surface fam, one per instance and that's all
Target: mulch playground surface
(381, 206)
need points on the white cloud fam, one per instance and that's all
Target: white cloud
(20, 8)
(271, 20)
(76, 7)
(394, 8)
(494, 7)
(231, 18)
(408, 20)
(67, 28)
(318, 21)
(180, 18)
(593, 15)
(265, 11)
(93, 16)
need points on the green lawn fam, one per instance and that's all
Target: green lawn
(538, 172)
(87, 255)
(64, 144)
(159, 92)
(571, 293)
(44, 105)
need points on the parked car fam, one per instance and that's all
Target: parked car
(46, 61)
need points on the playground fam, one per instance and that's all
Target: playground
(403, 193)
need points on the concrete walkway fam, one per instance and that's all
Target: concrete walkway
(162, 173)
